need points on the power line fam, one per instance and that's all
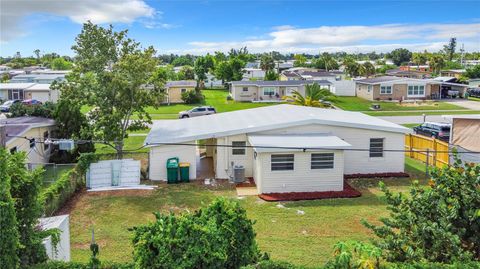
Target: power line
(423, 150)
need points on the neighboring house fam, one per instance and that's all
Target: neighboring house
(51, 72)
(212, 82)
(253, 74)
(413, 67)
(474, 83)
(17, 130)
(270, 91)
(311, 74)
(284, 148)
(174, 90)
(453, 73)
(395, 88)
(22, 91)
(37, 78)
(464, 137)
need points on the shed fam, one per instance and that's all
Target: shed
(61, 251)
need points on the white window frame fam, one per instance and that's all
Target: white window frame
(378, 151)
(282, 162)
(417, 94)
(239, 147)
(386, 89)
(269, 88)
(325, 160)
(369, 88)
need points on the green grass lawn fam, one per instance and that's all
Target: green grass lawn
(410, 125)
(301, 239)
(419, 113)
(360, 104)
(53, 172)
(131, 143)
(473, 98)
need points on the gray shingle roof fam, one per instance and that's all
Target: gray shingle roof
(17, 126)
(181, 83)
(281, 82)
(378, 79)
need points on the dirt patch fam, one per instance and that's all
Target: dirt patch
(71, 203)
(376, 175)
(249, 183)
(348, 192)
(116, 193)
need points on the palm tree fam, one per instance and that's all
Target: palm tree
(314, 95)
(437, 62)
(267, 62)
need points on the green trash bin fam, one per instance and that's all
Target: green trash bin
(184, 172)
(172, 170)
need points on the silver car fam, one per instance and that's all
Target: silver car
(197, 111)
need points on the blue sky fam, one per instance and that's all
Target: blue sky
(199, 27)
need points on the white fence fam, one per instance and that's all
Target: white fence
(61, 251)
(343, 88)
(113, 173)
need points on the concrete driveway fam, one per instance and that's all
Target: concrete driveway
(413, 119)
(473, 105)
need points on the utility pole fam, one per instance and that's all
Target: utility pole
(462, 54)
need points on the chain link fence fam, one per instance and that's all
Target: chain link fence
(52, 171)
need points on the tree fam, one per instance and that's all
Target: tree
(400, 56)
(267, 62)
(325, 61)
(352, 68)
(449, 49)
(186, 73)
(314, 95)
(25, 190)
(60, 64)
(368, 69)
(110, 75)
(161, 75)
(436, 62)
(271, 75)
(419, 58)
(201, 68)
(37, 54)
(8, 221)
(473, 72)
(230, 70)
(437, 223)
(183, 60)
(300, 60)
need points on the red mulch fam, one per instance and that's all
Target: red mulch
(249, 183)
(348, 192)
(376, 175)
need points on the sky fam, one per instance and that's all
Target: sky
(200, 27)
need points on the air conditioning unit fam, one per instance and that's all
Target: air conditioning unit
(238, 174)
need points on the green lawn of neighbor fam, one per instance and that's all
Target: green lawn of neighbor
(131, 143)
(419, 113)
(410, 125)
(306, 239)
(473, 98)
(360, 104)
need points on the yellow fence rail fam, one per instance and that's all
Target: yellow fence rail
(416, 147)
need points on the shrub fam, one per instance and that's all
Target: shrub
(219, 236)
(438, 223)
(77, 265)
(192, 97)
(58, 193)
(268, 264)
(44, 110)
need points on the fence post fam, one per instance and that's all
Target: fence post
(426, 163)
(411, 145)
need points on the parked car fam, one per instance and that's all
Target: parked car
(31, 102)
(197, 111)
(5, 107)
(475, 92)
(436, 130)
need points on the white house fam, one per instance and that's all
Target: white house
(253, 74)
(22, 91)
(284, 148)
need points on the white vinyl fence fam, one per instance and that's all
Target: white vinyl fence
(113, 173)
(344, 88)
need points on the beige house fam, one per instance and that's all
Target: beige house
(396, 88)
(27, 134)
(284, 148)
(270, 91)
(464, 136)
(174, 90)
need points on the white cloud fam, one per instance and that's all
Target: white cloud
(98, 11)
(355, 38)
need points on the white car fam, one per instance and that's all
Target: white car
(197, 111)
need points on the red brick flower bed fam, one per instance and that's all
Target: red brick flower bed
(348, 192)
(375, 175)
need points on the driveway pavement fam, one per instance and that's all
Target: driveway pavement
(473, 105)
(413, 119)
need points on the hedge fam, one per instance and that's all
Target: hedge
(77, 265)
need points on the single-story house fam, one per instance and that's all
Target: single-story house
(253, 74)
(464, 136)
(311, 74)
(17, 130)
(22, 91)
(453, 73)
(284, 148)
(408, 73)
(174, 90)
(38, 78)
(270, 90)
(395, 88)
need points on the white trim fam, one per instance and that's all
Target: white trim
(385, 86)
(413, 90)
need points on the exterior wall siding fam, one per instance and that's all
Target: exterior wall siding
(175, 94)
(158, 159)
(362, 91)
(225, 157)
(40, 154)
(302, 178)
(359, 161)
